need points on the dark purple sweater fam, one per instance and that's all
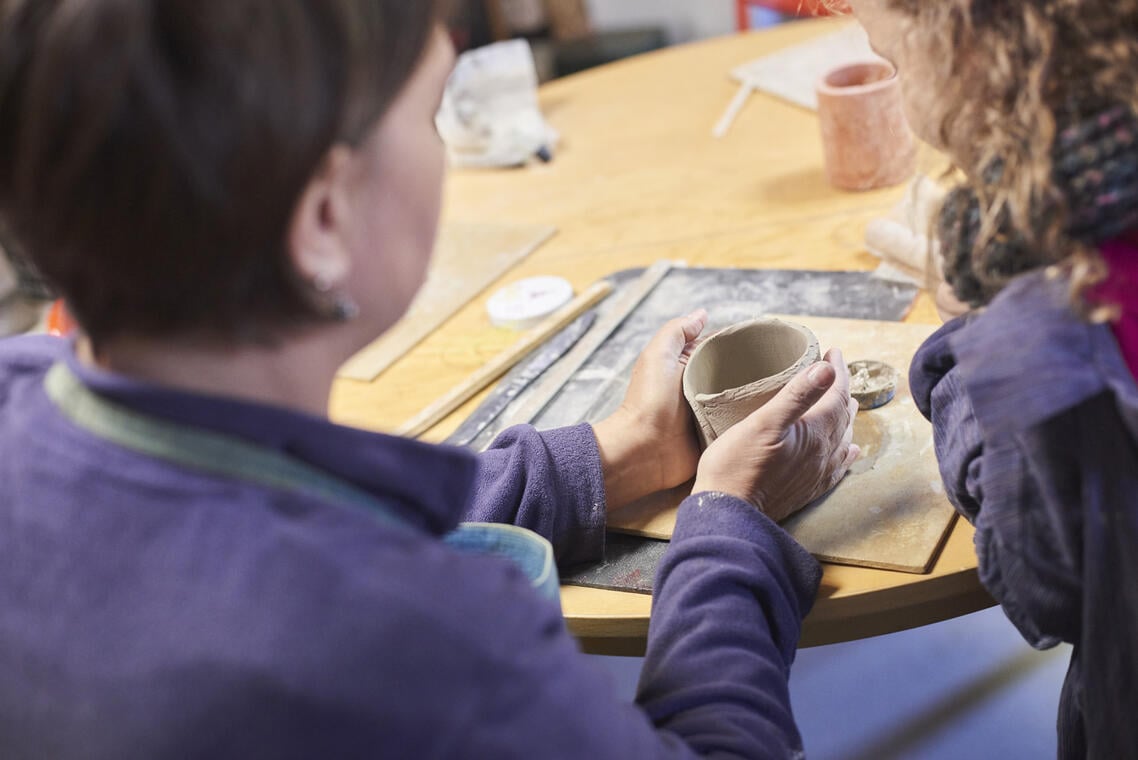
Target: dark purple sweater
(1035, 422)
(151, 611)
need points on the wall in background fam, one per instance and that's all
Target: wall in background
(684, 19)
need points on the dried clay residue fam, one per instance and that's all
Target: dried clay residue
(864, 380)
(872, 383)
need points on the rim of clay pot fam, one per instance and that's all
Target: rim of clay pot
(830, 82)
(802, 357)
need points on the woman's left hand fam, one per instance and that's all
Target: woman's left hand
(649, 443)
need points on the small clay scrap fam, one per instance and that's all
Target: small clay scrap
(738, 369)
(872, 383)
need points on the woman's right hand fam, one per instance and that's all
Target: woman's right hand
(947, 304)
(791, 450)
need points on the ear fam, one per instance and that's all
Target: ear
(317, 243)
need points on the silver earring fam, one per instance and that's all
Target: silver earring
(344, 308)
(340, 306)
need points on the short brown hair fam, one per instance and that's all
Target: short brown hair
(152, 151)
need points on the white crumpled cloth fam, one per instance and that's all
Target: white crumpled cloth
(489, 115)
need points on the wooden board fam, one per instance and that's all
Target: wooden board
(468, 258)
(890, 512)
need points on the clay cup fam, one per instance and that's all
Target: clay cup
(738, 369)
(866, 140)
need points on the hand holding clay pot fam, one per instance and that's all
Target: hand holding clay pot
(741, 367)
(649, 443)
(791, 450)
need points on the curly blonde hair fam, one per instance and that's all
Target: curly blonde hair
(1011, 75)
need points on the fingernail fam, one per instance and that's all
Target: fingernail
(819, 373)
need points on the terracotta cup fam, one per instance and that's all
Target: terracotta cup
(738, 369)
(866, 140)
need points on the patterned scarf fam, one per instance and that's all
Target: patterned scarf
(1095, 167)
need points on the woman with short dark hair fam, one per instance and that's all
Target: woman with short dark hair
(234, 197)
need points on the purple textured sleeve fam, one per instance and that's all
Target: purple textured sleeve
(727, 612)
(550, 482)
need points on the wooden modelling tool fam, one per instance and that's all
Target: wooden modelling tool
(500, 364)
(625, 303)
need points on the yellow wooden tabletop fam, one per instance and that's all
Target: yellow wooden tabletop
(637, 178)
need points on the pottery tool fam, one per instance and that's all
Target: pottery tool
(468, 259)
(624, 304)
(510, 388)
(500, 364)
(872, 383)
(733, 109)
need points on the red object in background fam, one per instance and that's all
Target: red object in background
(789, 7)
(59, 321)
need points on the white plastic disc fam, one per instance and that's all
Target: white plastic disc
(523, 304)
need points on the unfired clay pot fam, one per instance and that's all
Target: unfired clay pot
(740, 368)
(866, 140)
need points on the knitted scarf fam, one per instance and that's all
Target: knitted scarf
(1095, 168)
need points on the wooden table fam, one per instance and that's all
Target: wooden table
(638, 178)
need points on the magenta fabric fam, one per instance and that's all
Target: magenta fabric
(1121, 255)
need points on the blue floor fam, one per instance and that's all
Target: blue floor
(968, 687)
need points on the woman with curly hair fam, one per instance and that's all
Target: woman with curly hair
(1032, 392)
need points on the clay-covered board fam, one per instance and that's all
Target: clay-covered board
(890, 512)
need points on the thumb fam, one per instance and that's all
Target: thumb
(693, 324)
(677, 333)
(795, 399)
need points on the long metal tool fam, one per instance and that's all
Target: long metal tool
(624, 303)
(501, 363)
(509, 389)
